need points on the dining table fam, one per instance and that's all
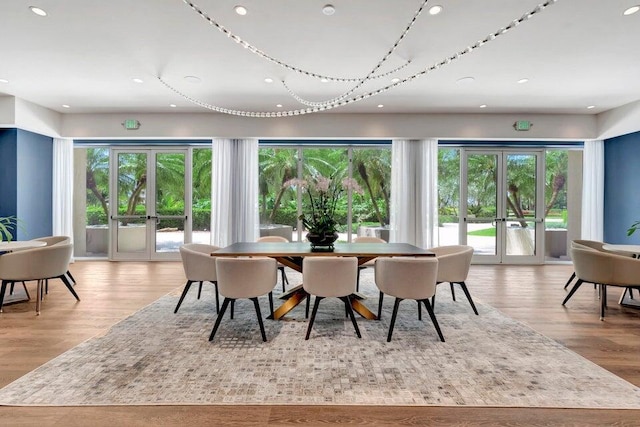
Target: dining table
(13, 246)
(291, 254)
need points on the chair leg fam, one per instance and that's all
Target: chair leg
(256, 304)
(26, 291)
(306, 310)
(358, 280)
(217, 297)
(313, 316)
(433, 318)
(284, 278)
(225, 304)
(468, 295)
(13, 284)
(46, 286)
(233, 306)
(69, 286)
(2, 291)
(199, 289)
(184, 294)
(573, 291)
(396, 304)
(603, 300)
(271, 303)
(573, 276)
(71, 278)
(39, 296)
(419, 311)
(630, 293)
(347, 305)
(380, 305)
(453, 292)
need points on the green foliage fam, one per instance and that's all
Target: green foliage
(7, 227)
(633, 228)
(484, 232)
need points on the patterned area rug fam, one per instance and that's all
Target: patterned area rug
(155, 357)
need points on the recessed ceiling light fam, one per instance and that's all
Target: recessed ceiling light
(523, 80)
(380, 105)
(435, 10)
(4, 81)
(591, 107)
(137, 80)
(240, 10)
(65, 106)
(279, 105)
(631, 10)
(172, 105)
(465, 80)
(324, 80)
(268, 80)
(395, 80)
(192, 79)
(483, 106)
(38, 11)
(328, 9)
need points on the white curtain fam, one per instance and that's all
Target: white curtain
(62, 204)
(234, 202)
(414, 192)
(593, 191)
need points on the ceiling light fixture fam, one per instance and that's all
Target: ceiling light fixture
(192, 79)
(4, 81)
(380, 105)
(395, 80)
(328, 9)
(324, 80)
(38, 11)
(65, 106)
(435, 10)
(631, 10)
(137, 80)
(483, 106)
(342, 100)
(268, 80)
(521, 81)
(172, 105)
(241, 10)
(591, 107)
(279, 105)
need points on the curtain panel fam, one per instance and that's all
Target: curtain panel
(414, 192)
(62, 192)
(593, 191)
(234, 202)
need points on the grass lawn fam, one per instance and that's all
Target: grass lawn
(485, 232)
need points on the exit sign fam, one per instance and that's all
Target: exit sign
(522, 125)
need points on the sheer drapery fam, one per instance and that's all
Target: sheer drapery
(414, 192)
(234, 202)
(62, 191)
(593, 191)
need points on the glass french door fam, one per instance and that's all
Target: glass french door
(502, 205)
(149, 210)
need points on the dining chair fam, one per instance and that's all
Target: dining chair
(245, 278)
(454, 262)
(47, 262)
(407, 278)
(368, 264)
(594, 244)
(266, 239)
(330, 276)
(56, 240)
(199, 266)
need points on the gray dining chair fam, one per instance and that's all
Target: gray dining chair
(277, 239)
(199, 266)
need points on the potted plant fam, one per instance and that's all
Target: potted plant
(7, 225)
(633, 228)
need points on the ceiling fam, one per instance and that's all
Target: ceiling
(85, 53)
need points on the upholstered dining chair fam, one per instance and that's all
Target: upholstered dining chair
(280, 239)
(368, 264)
(330, 276)
(407, 278)
(245, 278)
(593, 244)
(47, 262)
(454, 262)
(199, 266)
(56, 240)
(604, 269)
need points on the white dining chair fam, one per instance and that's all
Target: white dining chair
(454, 262)
(199, 266)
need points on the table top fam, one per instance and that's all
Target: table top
(628, 249)
(303, 249)
(17, 245)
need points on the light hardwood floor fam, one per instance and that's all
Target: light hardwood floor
(112, 290)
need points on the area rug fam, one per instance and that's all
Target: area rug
(156, 357)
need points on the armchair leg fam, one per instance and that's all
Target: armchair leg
(313, 316)
(217, 297)
(184, 294)
(271, 303)
(347, 305)
(453, 292)
(573, 276)
(419, 311)
(573, 291)
(39, 290)
(380, 305)
(433, 318)
(216, 325)
(2, 291)
(468, 295)
(26, 291)
(233, 306)
(199, 289)
(69, 286)
(256, 304)
(71, 278)
(308, 304)
(396, 304)
(603, 300)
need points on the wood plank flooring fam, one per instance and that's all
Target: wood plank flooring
(111, 291)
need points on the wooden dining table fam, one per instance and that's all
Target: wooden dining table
(292, 254)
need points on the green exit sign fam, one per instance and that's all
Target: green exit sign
(522, 125)
(130, 124)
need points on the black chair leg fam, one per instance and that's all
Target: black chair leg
(225, 304)
(184, 294)
(26, 291)
(256, 304)
(217, 297)
(380, 305)
(13, 284)
(199, 289)
(2, 291)
(69, 286)
(630, 293)
(46, 287)
(603, 300)
(233, 306)
(313, 316)
(71, 278)
(347, 305)
(271, 303)
(573, 276)
(433, 318)
(419, 311)
(358, 280)
(453, 292)
(396, 304)
(284, 278)
(573, 291)
(468, 295)
(308, 305)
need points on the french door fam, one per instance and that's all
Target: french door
(502, 205)
(149, 210)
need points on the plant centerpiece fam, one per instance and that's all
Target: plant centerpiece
(319, 215)
(7, 225)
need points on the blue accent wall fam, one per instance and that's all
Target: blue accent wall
(621, 188)
(8, 173)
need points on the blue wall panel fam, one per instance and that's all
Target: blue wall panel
(8, 172)
(621, 188)
(34, 184)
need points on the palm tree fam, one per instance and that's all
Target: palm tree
(373, 169)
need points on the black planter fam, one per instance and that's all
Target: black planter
(322, 242)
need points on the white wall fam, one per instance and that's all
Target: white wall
(619, 121)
